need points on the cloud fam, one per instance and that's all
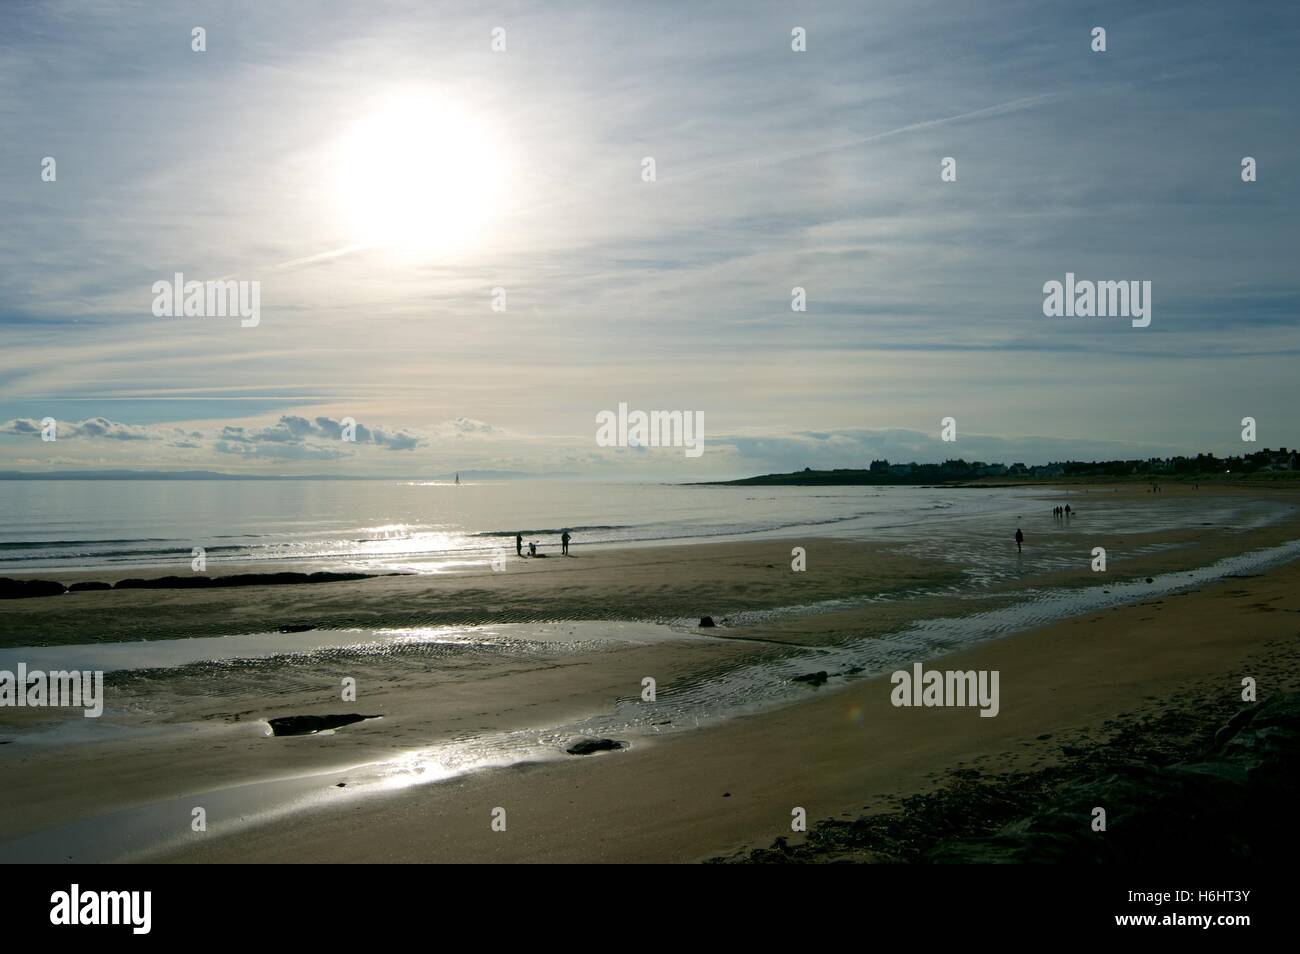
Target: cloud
(289, 438)
(99, 428)
(467, 425)
(776, 169)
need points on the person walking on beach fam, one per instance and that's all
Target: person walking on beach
(519, 544)
(564, 543)
(1067, 510)
(532, 549)
(1020, 538)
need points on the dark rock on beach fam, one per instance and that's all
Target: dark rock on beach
(236, 579)
(165, 583)
(297, 627)
(307, 724)
(706, 622)
(21, 589)
(813, 678)
(588, 746)
(89, 585)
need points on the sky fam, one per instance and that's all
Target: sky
(379, 170)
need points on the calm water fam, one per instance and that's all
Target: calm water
(428, 527)
(405, 525)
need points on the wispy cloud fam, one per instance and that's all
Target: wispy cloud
(776, 169)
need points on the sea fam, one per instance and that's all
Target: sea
(438, 526)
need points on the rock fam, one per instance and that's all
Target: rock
(706, 622)
(1150, 580)
(588, 746)
(165, 583)
(237, 579)
(22, 589)
(813, 678)
(308, 724)
(89, 585)
(283, 579)
(297, 627)
(1263, 733)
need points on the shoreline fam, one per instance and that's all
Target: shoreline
(787, 620)
(673, 582)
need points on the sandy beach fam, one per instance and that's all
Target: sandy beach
(840, 754)
(692, 784)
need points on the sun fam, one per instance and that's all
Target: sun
(420, 176)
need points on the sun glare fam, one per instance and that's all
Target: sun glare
(420, 176)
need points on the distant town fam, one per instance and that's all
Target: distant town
(1280, 463)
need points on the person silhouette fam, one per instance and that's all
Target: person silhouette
(519, 544)
(564, 543)
(1020, 538)
(532, 549)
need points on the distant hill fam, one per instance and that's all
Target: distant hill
(1266, 464)
(816, 478)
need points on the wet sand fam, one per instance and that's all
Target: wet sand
(679, 797)
(840, 754)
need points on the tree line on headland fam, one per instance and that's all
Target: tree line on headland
(1264, 464)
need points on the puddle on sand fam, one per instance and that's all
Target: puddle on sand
(174, 653)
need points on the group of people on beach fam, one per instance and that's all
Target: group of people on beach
(532, 546)
(1061, 512)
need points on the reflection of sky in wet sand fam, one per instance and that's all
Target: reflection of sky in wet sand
(703, 699)
(175, 653)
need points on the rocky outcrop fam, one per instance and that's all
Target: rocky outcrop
(813, 678)
(307, 724)
(21, 589)
(588, 746)
(236, 579)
